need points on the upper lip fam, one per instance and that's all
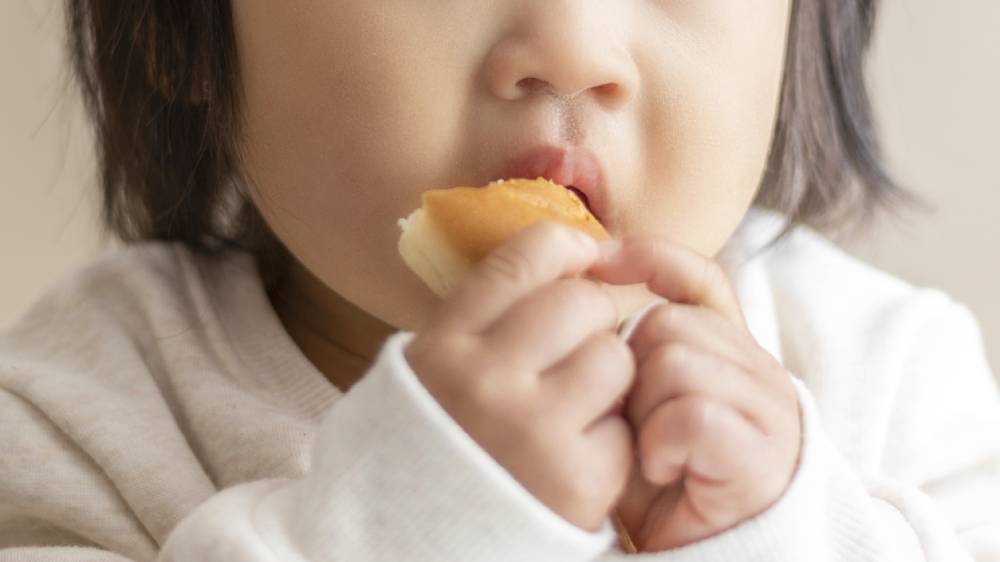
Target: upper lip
(568, 166)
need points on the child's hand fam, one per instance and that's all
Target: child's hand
(716, 416)
(528, 363)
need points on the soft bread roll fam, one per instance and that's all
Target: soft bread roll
(455, 228)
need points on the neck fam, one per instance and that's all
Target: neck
(339, 338)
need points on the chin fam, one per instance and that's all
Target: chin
(413, 309)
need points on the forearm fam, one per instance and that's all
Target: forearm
(392, 478)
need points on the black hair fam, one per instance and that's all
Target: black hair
(160, 80)
(825, 168)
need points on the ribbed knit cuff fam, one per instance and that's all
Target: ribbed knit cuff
(394, 477)
(825, 514)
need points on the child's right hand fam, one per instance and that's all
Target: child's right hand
(527, 362)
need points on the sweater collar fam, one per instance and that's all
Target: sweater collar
(268, 356)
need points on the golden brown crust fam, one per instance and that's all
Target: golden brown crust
(478, 219)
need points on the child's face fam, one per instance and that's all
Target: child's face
(354, 107)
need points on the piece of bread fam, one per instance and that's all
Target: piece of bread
(455, 228)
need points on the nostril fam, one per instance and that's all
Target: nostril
(608, 89)
(531, 84)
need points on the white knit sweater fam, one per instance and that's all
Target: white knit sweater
(153, 408)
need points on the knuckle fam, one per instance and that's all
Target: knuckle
(444, 362)
(430, 352)
(615, 349)
(500, 394)
(601, 353)
(510, 265)
(660, 323)
(670, 356)
(491, 378)
(693, 414)
(574, 294)
(486, 357)
(729, 371)
(684, 419)
(579, 294)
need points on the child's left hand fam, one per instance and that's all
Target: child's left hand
(715, 415)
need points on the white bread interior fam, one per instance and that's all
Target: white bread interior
(426, 251)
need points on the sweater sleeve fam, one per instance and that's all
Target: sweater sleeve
(936, 496)
(393, 477)
(59, 554)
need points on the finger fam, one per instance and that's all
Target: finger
(706, 329)
(610, 440)
(592, 380)
(677, 370)
(599, 481)
(639, 494)
(542, 328)
(670, 270)
(539, 254)
(696, 326)
(696, 437)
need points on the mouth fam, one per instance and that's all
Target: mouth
(575, 168)
(583, 198)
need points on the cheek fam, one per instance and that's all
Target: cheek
(327, 141)
(720, 89)
(749, 57)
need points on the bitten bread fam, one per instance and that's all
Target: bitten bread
(455, 228)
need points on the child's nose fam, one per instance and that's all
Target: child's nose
(566, 49)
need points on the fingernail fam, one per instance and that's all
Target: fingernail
(584, 238)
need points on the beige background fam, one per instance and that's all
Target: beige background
(935, 72)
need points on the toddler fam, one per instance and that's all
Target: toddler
(257, 376)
